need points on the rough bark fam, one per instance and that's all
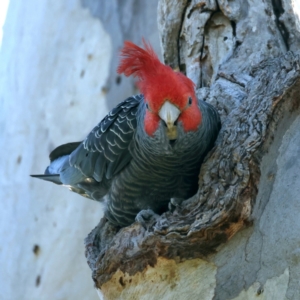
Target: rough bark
(242, 57)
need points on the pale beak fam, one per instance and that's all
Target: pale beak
(169, 113)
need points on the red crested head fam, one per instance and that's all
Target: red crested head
(160, 84)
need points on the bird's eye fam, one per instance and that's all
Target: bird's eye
(147, 106)
(190, 100)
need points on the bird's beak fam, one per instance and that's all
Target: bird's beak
(169, 113)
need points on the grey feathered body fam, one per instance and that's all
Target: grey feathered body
(120, 164)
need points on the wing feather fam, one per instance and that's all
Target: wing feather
(105, 151)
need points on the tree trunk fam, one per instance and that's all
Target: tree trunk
(238, 237)
(57, 77)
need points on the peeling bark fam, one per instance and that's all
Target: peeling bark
(236, 53)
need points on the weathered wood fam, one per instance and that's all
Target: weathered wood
(237, 55)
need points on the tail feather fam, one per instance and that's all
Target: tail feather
(55, 178)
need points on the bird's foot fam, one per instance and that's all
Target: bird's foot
(147, 218)
(174, 203)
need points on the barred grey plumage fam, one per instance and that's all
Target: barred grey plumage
(120, 164)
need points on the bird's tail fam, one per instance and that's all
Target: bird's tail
(55, 178)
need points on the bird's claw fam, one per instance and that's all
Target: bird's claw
(174, 203)
(147, 218)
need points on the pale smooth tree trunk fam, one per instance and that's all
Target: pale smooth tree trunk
(239, 236)
(57, 81)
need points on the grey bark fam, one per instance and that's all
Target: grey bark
(124, 20)
(243, 58)
(55, 58)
